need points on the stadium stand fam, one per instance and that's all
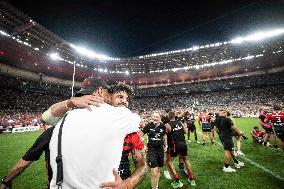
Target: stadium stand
(237, 74)
(22, 101)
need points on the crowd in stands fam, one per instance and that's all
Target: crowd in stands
(214, 85)
(238, 101)
(23, 101)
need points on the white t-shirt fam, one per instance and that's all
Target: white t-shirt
(92, 143)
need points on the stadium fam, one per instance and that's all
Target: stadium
(38, 68)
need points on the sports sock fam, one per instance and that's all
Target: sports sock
(275, 146)
(235, 160)
(265, 143)
(190, 176)
(226, 165)
(176, 177)
(195, 138)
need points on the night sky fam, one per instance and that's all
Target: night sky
(130, 28)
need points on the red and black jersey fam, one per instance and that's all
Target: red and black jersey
(275, 118)
(131, 142)
(258, 133)
(176, 135)
(204, 118)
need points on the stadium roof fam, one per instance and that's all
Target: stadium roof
(25, 43)
(133, 28)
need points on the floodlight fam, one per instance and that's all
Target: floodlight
(54, 56)
(259, 36)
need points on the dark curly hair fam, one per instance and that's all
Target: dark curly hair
(121, 87)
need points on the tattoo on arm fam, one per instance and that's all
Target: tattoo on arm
(139, 158)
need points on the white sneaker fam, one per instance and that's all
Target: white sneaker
(235, 153)
(167, 175)
(189, 141)
(197, 142)
(229, 169)
(239, 165)
(240, 153)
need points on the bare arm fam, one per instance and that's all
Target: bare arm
(263, 123)
(139, 158)
(216, 129)
(199, 123)
(56, 111)
(185, 129)
(165, 143)
(234, 128)
(252, 134)
(136, 177)
(17, 169)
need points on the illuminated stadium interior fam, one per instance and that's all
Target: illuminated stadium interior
(27, 45)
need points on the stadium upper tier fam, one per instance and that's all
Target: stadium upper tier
(28, 45)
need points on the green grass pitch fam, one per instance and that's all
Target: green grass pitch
(207, 163)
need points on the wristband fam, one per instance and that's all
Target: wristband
(7, 183)
(69, 104)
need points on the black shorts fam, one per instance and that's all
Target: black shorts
(178, 149)
(155, 157)
(206, 127)
(191, 127)
(281, 137)
(227, 142)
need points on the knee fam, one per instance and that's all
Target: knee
(155, 173)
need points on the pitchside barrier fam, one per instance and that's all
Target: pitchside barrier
(25, 129)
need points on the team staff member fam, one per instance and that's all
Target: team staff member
(133, 140)
(225, 128)
(157, 144)
(267, 127)
(177, 147)
(92, 130)
(204, 123)
(277, 120)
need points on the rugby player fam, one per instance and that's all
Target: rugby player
(157, 145)
(177, 147)
(225, 128)
(257, 135)
(277, 120)
(267, 127)
(204, 122)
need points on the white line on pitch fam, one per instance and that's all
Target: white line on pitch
(253, 163)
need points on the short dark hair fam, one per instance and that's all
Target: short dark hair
(121, 87)
(228, 114)
(172, 115)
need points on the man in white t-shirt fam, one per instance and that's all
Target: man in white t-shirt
(91, 140)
